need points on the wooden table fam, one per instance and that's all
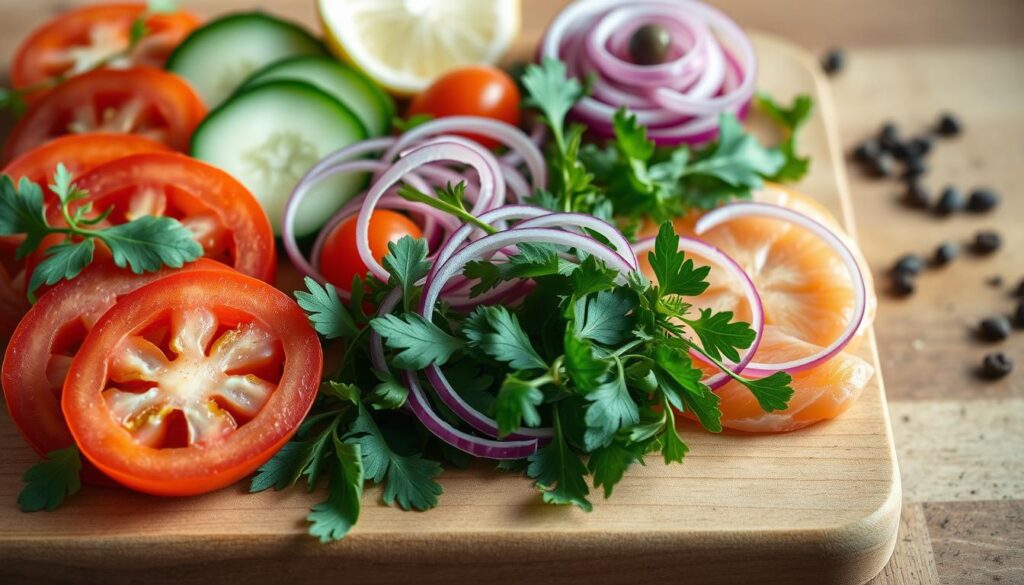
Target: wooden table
(959, 440)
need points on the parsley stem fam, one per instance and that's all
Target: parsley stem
(717, 363)
(627, 347)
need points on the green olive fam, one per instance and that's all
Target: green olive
(649, 44)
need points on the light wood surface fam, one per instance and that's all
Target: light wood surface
(908, 61)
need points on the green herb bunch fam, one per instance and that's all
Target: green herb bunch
(601, 358)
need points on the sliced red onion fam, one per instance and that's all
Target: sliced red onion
(482, 248)
(711, 67)
(419, 404)
(302, 189)
(734, 211)
(722, 260)
(448, 149)
(618, 242)
(510, 136)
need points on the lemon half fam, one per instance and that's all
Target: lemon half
(405, 44)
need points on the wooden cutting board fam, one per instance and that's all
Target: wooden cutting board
(820, 505)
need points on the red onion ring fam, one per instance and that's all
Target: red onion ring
(725, 261)
(711, 68)
(514, 138)
(732, 211)
(447, 148)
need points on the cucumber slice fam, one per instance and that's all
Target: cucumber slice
(267, 137)
(368, 101)
(217, 57)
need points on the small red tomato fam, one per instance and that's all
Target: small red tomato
(482, 91)
(339, 258)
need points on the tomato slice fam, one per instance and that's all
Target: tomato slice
(13, 302)
(192, 382)
(143, 101)
(78, 40)
(224, 217)
(79, 153)
(48, 337)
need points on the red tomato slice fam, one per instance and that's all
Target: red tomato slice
(77, 40)
(143, 101)
(192, 382)
(13, 302)
(224, 217)
(79, 153)
(48, 337)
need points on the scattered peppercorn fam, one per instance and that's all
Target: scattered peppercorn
(949, 125)
(921, 146)
(994, 329)
(903, 283)
(1019, 291)
(995, 281)
(881, 165)
(950, 200)
(914, 167)
(982, 200)
(889, 138)
(996, 365)
(1018, 315)
(917, 195)
(910, 263)
(986, 242)
(649, 45)
(866, 151)
(945, 253)
(834, 61)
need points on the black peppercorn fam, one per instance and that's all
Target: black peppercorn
(834, 61)
(866, 151)
(948, 125)
(945, 253)
(982, 200)
(917, 195)
(889, 138)
(986, 242)
(1019, 291)
(996, 365)
(881, 165)
(1018, 315)
(903, 283)
(994, 329)
(910, 263)
(921, 146)
(914, 167)
(950, 200)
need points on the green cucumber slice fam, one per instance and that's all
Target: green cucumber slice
(267, 137)
(218, 56)
(368, 101)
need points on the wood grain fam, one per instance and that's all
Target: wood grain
(816, 506)
(913, 561)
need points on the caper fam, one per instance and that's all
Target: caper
(649, 45)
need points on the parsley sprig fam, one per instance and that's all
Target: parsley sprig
(145, 244)
(15, 99)
(630, 178)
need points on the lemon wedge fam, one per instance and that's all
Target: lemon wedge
(405, 44)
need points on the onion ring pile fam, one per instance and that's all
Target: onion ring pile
(710, 70)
